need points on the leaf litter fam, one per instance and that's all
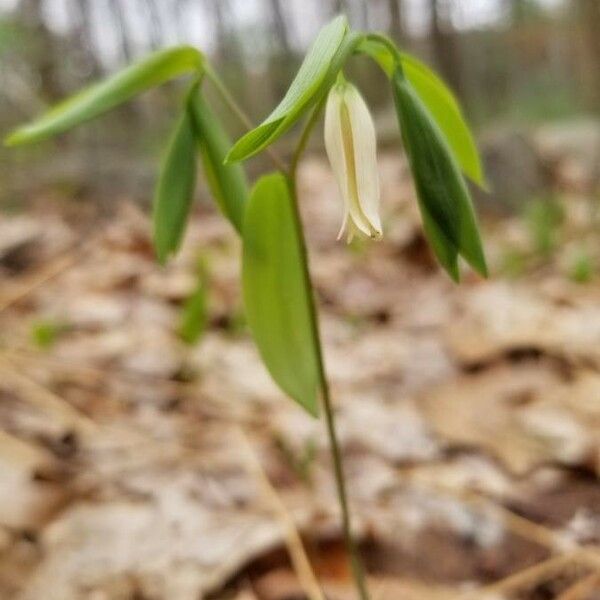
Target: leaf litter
(468, 417)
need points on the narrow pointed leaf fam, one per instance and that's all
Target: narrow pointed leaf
(227, 182)
(175, 189)
(300, 95)
(446, 111)
(101, 97)
(441, 103)
(442, 192)
(276, 293)
(445, 251)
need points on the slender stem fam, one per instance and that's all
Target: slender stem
(356, 565)
(238, 111)
(391, 47)
(336, 454)
(388, 43)
(305, 136)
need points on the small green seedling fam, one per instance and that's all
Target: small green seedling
(581, 269)
(194, 316)
(544, 218)
(45, 333)
(277, 291)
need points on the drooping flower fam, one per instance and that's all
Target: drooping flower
(352, 151)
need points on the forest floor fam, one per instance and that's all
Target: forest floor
(134, 466)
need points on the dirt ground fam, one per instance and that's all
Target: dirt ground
(134, 466)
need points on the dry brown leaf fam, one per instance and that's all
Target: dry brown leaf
(517, 413)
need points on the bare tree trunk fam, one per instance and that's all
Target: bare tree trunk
(81, 9)
(396, 22)
(338, 7)
(180, 18)
(445, 44)
(280, 27)
(280, 62)
(363, 14)
(154, 23)
(521, 10)
(227, 45)
(119, 20)
(590, 15)
(32, 15)
(218, 10)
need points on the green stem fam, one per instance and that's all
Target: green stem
(388, 43)
(237, 110)
(305, 136)
(356, 565)
(390, 46)
(358, 571)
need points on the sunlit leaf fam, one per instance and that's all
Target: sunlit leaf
(442, 192)
(276, 291)
(227, 182)
(300, 95)
(175, 189)
(101, 97)
(441, 103)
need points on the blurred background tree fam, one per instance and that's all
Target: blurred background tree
(517, 61)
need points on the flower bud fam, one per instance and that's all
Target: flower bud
(352, 151)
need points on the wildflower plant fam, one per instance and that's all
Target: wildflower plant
(278, 296)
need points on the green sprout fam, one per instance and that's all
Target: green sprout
(544, 218)
(45, 333)
(581, 269)
(194, 316)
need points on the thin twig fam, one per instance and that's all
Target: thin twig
(37, 279)
(298, 556)
(540, 572)
(44, 399)
(582, 588)
(47, 272)
(521, 526)
(216, 410)
(356, 565)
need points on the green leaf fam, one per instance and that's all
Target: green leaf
(175, 189)
(227, 182)
(101, 97)
(441, 103)
(445, 251)
(194, 315)
(443, 195)
(277, 293)
(300, 95)
(445, 110)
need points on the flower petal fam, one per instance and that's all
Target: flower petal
(338, 156)
(365, 157)
(344, 226)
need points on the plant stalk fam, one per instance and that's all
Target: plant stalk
(356, 565)
(238, 111)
